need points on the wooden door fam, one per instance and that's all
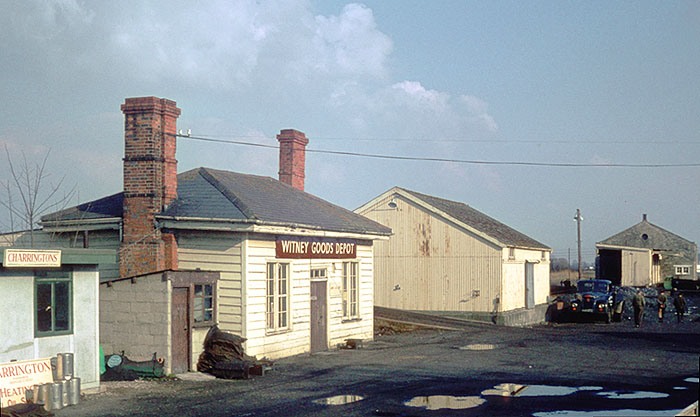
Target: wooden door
(180, 331)
(319, 331)
(529, 285)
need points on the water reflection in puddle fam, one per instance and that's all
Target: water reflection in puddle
(632, 395)
(478, 346)
(437, 402)
(680, 388)
(515, 390)
(695, 380)
(608, 413)
(339, 400)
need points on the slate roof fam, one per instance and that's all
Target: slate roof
(479, 221)
(656, 238)
(106, 207)
(206, 193)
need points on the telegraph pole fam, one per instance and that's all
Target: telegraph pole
(578, 219)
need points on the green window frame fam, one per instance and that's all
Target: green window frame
(53, 303)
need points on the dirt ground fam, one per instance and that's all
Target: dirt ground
(575, 367)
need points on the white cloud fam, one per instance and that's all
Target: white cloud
(351, 43)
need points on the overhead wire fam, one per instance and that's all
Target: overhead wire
(450, 160)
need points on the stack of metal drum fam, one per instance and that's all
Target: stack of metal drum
(64, 391)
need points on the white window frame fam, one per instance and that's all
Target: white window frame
(683, 269)
(277, 296)
(351, 290)
(319, 273)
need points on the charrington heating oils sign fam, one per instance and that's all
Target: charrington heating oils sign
(17, 377)
(27, 258)
(315, 248)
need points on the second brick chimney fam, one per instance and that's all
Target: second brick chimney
(292, 157)
(150, 184)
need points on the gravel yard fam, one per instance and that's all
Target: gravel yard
(575, 366)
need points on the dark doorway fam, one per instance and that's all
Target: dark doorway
(611, 265)
(180, 331)
(319, 332)
(529, 285)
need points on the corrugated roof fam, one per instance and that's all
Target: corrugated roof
(224, 195)
(479, 221)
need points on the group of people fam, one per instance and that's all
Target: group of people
(638, 303)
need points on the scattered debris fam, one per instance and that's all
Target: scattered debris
(26, 410)
(121, 368)
(224, 357)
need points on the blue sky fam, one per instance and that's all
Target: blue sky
(537, 81)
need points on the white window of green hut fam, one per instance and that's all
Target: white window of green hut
(53, 300)
(203, 304)
(350, 290)
(277, 294)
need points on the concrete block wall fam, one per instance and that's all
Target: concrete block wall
(135, 318)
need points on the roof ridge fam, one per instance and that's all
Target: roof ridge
(211, 179)
(427, 200)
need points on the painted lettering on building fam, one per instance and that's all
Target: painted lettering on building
(315, 248)
(26, 258)
(17, 377)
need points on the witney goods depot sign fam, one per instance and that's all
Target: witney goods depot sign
(26, 258)
(315, 248)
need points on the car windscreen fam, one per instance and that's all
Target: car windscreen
(592, 286)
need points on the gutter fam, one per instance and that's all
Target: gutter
(260, 226)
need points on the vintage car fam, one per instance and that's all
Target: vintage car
(596, 298)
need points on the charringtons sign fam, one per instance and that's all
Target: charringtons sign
(28, 258)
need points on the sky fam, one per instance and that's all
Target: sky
(552, 82)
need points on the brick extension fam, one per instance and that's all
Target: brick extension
(292, 157)
(150, 184)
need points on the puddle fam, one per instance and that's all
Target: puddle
(478, 346)
(608, 413)
(437, 402)
(632, 395)
(694, 380)
(339, 400)
(516, 390)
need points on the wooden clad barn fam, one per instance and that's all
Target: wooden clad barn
(447, 257)
(645, 254)
(260, 257)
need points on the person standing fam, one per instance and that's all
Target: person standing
(680, 304)
(662, 305)
(638, 303)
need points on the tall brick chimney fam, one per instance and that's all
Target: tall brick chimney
(292, 157)
(150, 184)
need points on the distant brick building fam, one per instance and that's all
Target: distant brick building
(261, 258)
(646, 254)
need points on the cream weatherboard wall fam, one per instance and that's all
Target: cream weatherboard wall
(430, 263)
(259, 251)
(514, 277)
(220, 252)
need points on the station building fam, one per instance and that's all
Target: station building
(257, 256)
